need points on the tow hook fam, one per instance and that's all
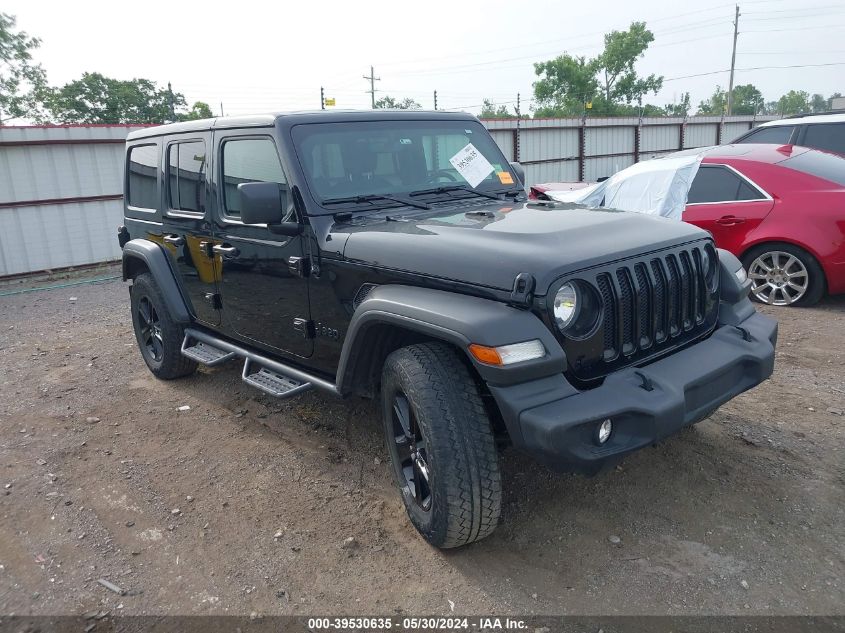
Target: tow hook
(745, 334)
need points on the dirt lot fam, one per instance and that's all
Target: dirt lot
(242, 504)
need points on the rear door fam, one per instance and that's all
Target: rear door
(726, 203)
(186, 222)
(264, 299)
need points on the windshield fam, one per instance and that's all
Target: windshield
(397, 158)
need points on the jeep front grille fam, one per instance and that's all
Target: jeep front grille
(649, 305)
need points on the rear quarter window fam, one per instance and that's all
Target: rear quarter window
(822, 165)
(142, 178)
(827, 136)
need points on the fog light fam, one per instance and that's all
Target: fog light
(605, 429)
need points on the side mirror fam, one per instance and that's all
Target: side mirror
(520, 172)
(262, 202)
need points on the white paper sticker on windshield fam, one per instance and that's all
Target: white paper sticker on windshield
(471, 165)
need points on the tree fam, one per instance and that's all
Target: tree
(716, 104)
(818, 103)
(388, 102)
(793, 102)
(95, 98)
(679, 109)
(609, 82)
(21, 80)
(568, 83)
(200, 110)
(747, 99)
(616, 65)
(490, 111)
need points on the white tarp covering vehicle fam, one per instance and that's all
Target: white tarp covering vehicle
(655, 187)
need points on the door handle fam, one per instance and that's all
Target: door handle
(176, 240)
(729, 220)
(226, 252)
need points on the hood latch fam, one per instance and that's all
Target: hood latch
(522, 294)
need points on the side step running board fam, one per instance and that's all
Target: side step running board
(273, 383)
(272, 377)
(205, 353)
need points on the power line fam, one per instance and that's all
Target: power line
(727, 70)
(799, 28)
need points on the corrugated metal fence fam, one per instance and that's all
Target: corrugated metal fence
(61, 186)
(61, 190)
(565, 150)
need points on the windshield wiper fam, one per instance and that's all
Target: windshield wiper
(449, 188)
(373, 197)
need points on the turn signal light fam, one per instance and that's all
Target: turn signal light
(508, 354)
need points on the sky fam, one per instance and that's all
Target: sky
(264, 56)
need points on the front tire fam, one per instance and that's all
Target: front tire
(441, 445)
(159, 336)
(784, 275)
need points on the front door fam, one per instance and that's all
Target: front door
(186, 223)
(264, 300)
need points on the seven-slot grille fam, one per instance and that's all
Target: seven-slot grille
(649, 304)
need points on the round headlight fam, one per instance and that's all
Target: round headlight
(576, 308)
(566, 305)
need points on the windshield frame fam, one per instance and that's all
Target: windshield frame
(412, 121)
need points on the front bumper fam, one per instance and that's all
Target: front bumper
(645, 404)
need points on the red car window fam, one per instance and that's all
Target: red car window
(819, 164)
(714, 183)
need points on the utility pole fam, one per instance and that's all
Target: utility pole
(372, 79)
(322, 99)
(435, 99)
(170, 99)
(733, 63)
(518, 117)
(221, 109)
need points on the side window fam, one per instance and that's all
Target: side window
(248, 160)
(830, 167)
(186, 176)
(142, 181)
(827, 136)
(719, 184)
(778, 135)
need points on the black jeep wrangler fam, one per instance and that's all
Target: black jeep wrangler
(393, 255)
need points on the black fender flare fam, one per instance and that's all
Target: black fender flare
(453, 318)
(157, 262)
(734, 303)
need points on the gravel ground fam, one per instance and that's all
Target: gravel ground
(243, 505)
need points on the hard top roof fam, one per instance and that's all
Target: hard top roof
(304, 116)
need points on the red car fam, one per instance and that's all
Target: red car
(779, 208)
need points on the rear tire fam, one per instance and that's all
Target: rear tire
(771, 267)
(441, 445)
(159, 336)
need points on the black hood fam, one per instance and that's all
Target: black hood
(489, 244)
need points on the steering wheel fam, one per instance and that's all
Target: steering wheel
(441, 173)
